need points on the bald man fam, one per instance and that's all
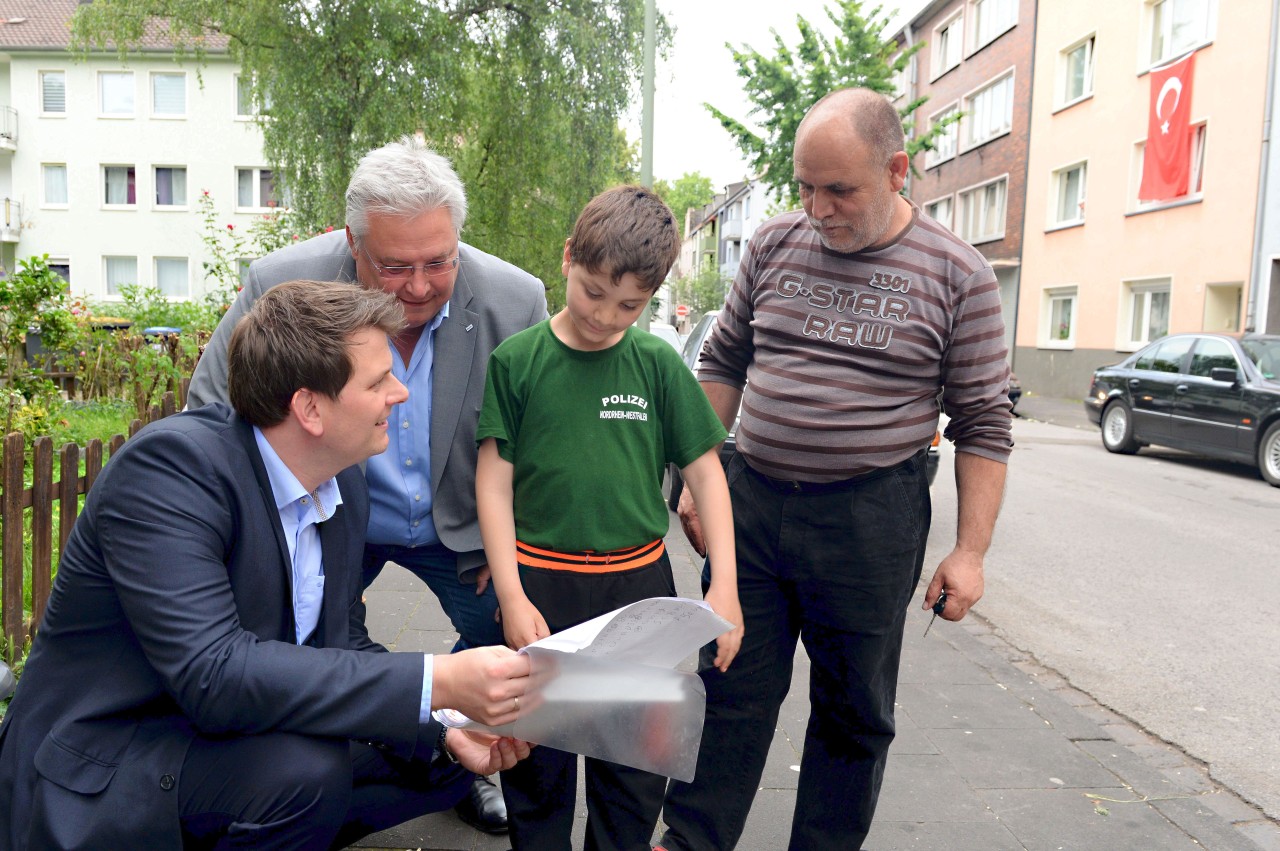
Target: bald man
(847, 324)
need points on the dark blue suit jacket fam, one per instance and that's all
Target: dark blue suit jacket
(171, 616)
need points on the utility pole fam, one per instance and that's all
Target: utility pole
(646, 127)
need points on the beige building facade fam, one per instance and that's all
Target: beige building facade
(1102, 272)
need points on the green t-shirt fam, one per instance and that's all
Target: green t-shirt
(589, 434)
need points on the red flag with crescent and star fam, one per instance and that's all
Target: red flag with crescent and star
(1166, 162)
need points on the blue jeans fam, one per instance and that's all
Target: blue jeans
(472, 615)
(835, 568)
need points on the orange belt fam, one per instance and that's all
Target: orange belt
(590, 561)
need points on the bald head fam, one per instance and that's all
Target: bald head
(869, 113)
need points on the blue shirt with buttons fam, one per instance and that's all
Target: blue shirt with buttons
(400, 478)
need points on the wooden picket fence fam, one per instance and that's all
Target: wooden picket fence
(16, 501)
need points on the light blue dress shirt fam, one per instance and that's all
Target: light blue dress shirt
(400, 478)
(299, 516)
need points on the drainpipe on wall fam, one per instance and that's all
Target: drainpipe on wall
(1251, 315)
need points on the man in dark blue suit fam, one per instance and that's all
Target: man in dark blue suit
(203, 675)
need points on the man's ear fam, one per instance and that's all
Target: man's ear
(899, 165)
(305, 410)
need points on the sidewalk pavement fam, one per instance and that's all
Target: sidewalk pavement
(993, 752)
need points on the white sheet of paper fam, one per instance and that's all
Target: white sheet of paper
(607, 689)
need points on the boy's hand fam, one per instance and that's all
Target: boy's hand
(724, 602)
(522, 623)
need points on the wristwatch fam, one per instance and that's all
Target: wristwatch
(442, 747)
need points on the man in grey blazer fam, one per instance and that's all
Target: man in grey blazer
(405, 211)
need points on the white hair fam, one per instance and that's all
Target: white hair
(403, 178)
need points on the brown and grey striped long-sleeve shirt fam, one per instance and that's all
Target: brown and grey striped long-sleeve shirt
(845, 357)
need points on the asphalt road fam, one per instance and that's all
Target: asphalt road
(1150, 582)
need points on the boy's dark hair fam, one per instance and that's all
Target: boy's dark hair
(626, 229)
(296, 336)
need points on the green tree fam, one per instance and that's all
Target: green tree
(692, 189)
(523, 95)
(702, 291)
(782, 87)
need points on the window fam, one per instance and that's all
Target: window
(171, 277)
(1179, 25)
(945, 141)
(171, 186)
(169, 95)
(991, 18)
(1195, 182)
(55, 184)
(940, 211)
(255, 188)
(898, 78)
(1166, 357)
(245, 105)
(1059, 318)
(1147, 310)
(120, 271)
(948, 39)
(1069, 190)
(53, 92)
(982, 212)
(989, 112)
(120, 185)
(1076, 72)
(1212, 353)
(115, 93)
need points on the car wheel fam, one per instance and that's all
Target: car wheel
(1117, 429)
(677, 486)
(1269, 455)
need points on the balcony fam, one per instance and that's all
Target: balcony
(11, 224)
(8, 129)
(731, 229)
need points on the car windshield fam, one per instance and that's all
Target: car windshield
(1264, 353)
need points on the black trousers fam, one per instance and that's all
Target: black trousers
(286, 791)
(622, 803)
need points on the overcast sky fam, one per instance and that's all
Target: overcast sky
(700, 68)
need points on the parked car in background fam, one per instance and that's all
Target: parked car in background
(1215, 394)
(691, 353)
(666, 332)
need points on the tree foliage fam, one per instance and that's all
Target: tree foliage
(692, 189)
(782, 87)
(523, 95)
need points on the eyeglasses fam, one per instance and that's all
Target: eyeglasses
(398, 273)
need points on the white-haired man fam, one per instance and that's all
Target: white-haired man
(405, 210)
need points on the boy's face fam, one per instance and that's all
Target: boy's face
(597, 311)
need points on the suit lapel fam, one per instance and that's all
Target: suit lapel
(244, 432)
(455, 346)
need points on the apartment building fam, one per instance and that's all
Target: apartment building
(1103, 270)
(976, 64)
(102, 161)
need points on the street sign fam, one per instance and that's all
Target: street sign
(682, 310)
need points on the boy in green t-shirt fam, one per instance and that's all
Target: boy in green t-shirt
(581, 414)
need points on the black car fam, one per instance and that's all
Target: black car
(691, 352)
(1215, 394)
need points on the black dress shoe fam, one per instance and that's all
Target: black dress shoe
(483, 807)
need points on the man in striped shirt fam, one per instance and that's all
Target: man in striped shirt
(849, 324)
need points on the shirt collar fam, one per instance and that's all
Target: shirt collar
(285, 487)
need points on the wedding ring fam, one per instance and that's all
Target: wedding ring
(517, 704)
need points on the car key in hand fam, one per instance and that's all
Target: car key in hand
(937, 610)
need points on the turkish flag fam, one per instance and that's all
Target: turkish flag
(1166, 162)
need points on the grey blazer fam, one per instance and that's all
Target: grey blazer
(491, 301)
